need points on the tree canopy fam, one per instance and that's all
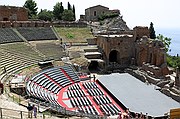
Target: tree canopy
(173, 61)
(152, 31)
(68, 15)
(74, 12)
(58, 10)
(45, 15)
(32, 8)
(166, 41)
(69, 6)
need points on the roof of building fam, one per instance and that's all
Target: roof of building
(97, 6)
(138, 96)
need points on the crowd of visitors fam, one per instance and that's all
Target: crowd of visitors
(128, 115)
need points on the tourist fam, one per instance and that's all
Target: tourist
(128, 114)
(29, 108)
(146, 116)
(136, 116)
(94, 77)
(119, 116)
(35, 111)
(141, 116)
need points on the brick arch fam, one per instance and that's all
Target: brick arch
(114, 55)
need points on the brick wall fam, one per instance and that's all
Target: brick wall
(146, 53)
(11, 13)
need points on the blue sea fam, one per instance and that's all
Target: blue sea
(174, 34)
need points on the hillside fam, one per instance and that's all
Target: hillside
(74, 35)
(114, 25)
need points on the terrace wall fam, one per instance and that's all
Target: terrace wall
(15, 24)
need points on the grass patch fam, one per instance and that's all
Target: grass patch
(74, 35)
(70, 36)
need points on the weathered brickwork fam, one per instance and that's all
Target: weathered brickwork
(136, 49)
(123, 45)
(11, 13)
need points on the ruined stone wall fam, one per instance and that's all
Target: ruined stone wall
(140, 31)
(150, 55)
(123, 45)
(79, 24)
(6, 24)
(11, 13)
(177, 79)
(137, 48)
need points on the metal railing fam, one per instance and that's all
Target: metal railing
(13, 114)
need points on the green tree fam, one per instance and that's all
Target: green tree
(166, 41)
(68, 15)
(74, 12)
(152, 31)
(58, 10)
(45, 15)
(31, 6)
(69, 6)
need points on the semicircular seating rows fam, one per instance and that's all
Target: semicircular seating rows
(87, 97)
(47, 84)
(83, 96)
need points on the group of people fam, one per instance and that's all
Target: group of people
(32, 110)
(127, 115)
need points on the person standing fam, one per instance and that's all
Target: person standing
(35, 111)
(119, 116)
(30, 108)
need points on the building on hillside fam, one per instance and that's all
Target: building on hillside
(12, 13)
(93, 13)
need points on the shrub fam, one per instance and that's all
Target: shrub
(70, 36)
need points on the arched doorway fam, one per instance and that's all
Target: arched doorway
(5, 19)
(113, 56)
(93, 66)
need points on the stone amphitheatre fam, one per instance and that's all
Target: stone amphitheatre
(107, 71)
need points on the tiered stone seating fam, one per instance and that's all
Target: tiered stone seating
(48, 83)
(37, 33)
(17, 56)
(7, 35)
(51, 50)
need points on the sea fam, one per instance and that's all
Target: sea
(174, 34)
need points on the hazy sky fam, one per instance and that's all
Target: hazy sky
(163, 13)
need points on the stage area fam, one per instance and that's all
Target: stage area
(138, 96)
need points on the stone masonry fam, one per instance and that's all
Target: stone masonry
(11, 13)
(137, 49)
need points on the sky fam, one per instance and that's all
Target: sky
(163, 13)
